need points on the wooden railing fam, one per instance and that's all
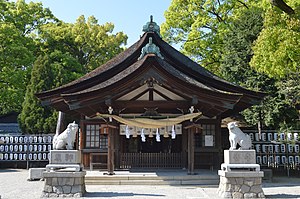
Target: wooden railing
(150, 160)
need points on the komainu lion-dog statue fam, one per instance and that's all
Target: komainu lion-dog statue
(236, 136)
(66, 139)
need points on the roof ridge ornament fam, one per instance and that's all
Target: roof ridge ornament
(152, 27)
(150, 48)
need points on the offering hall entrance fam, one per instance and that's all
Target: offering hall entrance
(151, 154)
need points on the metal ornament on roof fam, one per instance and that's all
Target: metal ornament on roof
(152, 27)
(150, 48)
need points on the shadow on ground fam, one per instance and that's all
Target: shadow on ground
(117, 194)
(282, 196)
(8, 170)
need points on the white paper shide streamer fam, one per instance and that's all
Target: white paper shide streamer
(157, 136)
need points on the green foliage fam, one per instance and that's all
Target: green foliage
(220, 36)
(90, 43)
(278, 45)
(49, 71)
(244, 30)
(237, 51)
(276, 54)
(67, 51)
(35, 118)
(200, 26)
(18, 22)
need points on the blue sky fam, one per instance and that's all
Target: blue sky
(127, 16)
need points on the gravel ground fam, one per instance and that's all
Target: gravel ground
(14, 185)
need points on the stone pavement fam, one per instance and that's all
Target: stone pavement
(14, 185)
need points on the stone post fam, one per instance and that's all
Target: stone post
(240, 176)
(64, 176)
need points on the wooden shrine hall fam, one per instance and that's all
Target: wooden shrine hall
(150, 107)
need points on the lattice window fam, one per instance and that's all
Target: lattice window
(206, 137)
(96, 137)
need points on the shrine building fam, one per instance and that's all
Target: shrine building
(150, 107)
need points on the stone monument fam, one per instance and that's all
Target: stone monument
(240, 176)
(64, 176)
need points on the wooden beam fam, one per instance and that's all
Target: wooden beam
(148, 104)
(163, 95)
(139, 95)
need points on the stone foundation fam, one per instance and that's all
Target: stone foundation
(240, 184)
(64, 184)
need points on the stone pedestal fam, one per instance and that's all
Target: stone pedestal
(64, 176)
(240, 177)
(64, 184)
(60, 159)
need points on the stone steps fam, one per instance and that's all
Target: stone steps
(162, 178)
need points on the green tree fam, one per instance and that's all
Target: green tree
(276, 54)
(70, 50)
(276, 51)
(18, 23)
(90, 43)
(237, 49)
(35, 118)
(49, 71)
(220, 36)
(200, 26)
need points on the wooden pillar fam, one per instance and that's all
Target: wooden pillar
(110, 158)
(81, 134)
(60, 123)
(117, 149)
(191, 152)
(219, 158)
(192, 129)
(184, 148)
